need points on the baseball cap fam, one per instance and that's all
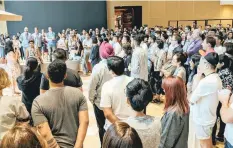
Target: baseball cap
(212, 58)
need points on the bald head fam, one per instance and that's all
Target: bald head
(196, 34)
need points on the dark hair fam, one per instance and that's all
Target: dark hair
(121, 135)
(229, 48)
(211, 40)
(22, 137)
(153, 38)
(181, 58)
(178, 39)
(60, 54)
(9, 47)
(214, 30)
(138, 39)
(94, 40)
(228, 35)
(116, 64)
(57, 71)
(127, 38)
(165, 36)
(31, 65)
(228, 62)
(189, 27)
(100, 40)
(160, 44)
(219, 37)
(127, 48)
(139, 94)
(196, 60)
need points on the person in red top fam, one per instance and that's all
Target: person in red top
(208, 46)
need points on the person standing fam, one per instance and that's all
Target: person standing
(72, 77)
(139, 61)
(24, 39)
(116, 45)
(99, 76)
(13, 67)
(37, 37)
(113, 101)
(204, 102)
(139, 95)
(51, 39)
(29, 82)
(2, 47)
(12, 110)
(64, 120)
(87, 44)
(94, 56)
(175, 121)
(195, 44)
(226, 114)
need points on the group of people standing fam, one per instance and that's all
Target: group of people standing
(190, 69)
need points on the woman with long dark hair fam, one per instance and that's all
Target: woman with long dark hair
(29, 82)
(13, 67)
(175, 121)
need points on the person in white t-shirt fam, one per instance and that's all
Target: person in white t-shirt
(219, 49)
(204, 102)
(227, 117)
(116, 45)
(113, 97)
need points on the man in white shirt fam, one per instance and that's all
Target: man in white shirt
(227, 117)
(204, 102)
(113, 97)
(139, 61)
(116, 45)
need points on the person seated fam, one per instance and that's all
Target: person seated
(139, 95)
(22, 137)
(121, 135)
(12, 110)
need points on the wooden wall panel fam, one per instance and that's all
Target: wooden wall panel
(159, 12)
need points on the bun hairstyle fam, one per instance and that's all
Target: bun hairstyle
(181, 57)
(139, 94)
(31, 65)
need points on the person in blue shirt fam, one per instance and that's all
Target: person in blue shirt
(24, 39)
(51, 39)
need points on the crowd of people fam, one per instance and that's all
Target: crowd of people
(189, 69)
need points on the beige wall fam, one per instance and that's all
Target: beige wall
(159, 12)
(3, 27)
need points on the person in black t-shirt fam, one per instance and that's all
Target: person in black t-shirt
(73, 79)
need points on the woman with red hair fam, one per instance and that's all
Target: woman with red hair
(175, 121)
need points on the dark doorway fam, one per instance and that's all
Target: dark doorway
(128, 17)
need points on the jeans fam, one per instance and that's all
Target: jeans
(51, 49)
(86, 56)
(2, 52)
(227, 144)
(100, 119)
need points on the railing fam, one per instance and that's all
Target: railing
(196, 21)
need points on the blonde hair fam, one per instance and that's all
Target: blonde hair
(4, 79)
